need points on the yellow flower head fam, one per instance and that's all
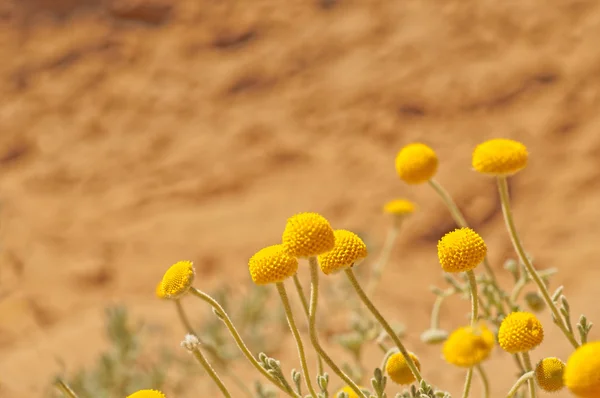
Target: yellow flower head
(271, 265)
(416, 163)
(500, 157)
(349, 249)
(307, 235)
(177, 280)
(549, 374)
(466, 346)
(147, 394)
(461, 250)
(348, 390)
(582, 373)
(520, 332)
(399, 207)
(398, 369)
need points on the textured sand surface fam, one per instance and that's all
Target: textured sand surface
(126, 146)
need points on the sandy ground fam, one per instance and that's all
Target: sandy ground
(126, 146)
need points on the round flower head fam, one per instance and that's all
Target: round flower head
(549, 374)
(307, 235)
(467, 346)
(348, 390)
(398, 369)
(416, 163)
(461, 250)
(399, 207)
(582, 373)
(349, 249)
(147, 394)
(177, 280)
(520, 332)
(500, 157)
(271, 265)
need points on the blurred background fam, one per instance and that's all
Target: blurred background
(137, 133)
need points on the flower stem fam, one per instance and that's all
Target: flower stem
(64, 388)
(300, 291)
(512, 230)
(529, 368)
(474, 298)
(384, 257)
(240, 343)
(290, 317)
(314, 297)
(526, 377)
(384, 324)
(386, 358)
(183, 317)
(468, 379)
(211, 372)
(484, 380)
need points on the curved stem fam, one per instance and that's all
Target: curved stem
(383, 323)
(474, 298)
(484, 380)
(386, 358)
(314, 297)
(529, 368)
(527, 376)
(211, 372)
(435, 311)
(64, 388)
(384, 257)
(468, 379)
(300, 291)
(183, 317)
(290, 318)
(514, 237)
(240, 343)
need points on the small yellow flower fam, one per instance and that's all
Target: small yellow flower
(549, 374)
(582, 373)
(271, 265)
(177, 280)
(349, 249)
(520, 332)
(147, 394)
(466, 347)
(461, 250)
(500, 157)
(398, 369)
(399, 207)
(307, 235)
(416, 163)
(348, 390)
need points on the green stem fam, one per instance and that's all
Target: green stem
(384, 257)
(240, 343)
(512, 230)
(386, 326)
(314, 297)
(386, 358)
(211, 372)
(484, 380)
(64, 388)
(435, 312)
(474, 298)
(304, 302)
(468, 379)
(290, 317)
(529, 368)
(526, 377)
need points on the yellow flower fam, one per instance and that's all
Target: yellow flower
(549, 374)
(582, 373)
(466, 347)
(398, 369)
(147, 394)
(348, 390)
(416, 163)
(271, 265)
(520, 332)
(177, 280)
(500, 157)
(461, 250)
(307, 235)
(349, 249)
(399, 207)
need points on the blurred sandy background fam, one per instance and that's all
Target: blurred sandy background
(138, 133)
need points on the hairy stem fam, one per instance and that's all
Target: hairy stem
(484, 380)
(468, 379)
(529, 368)
(526, 377)
(300, 291)
(384, 257)
(514, 237)
(290, 318)
(314, 297)
(474, 298)
(64, 388)
(211, 372)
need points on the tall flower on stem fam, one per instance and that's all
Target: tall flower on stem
(307, 235)
(503, 158)
(271, 265)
